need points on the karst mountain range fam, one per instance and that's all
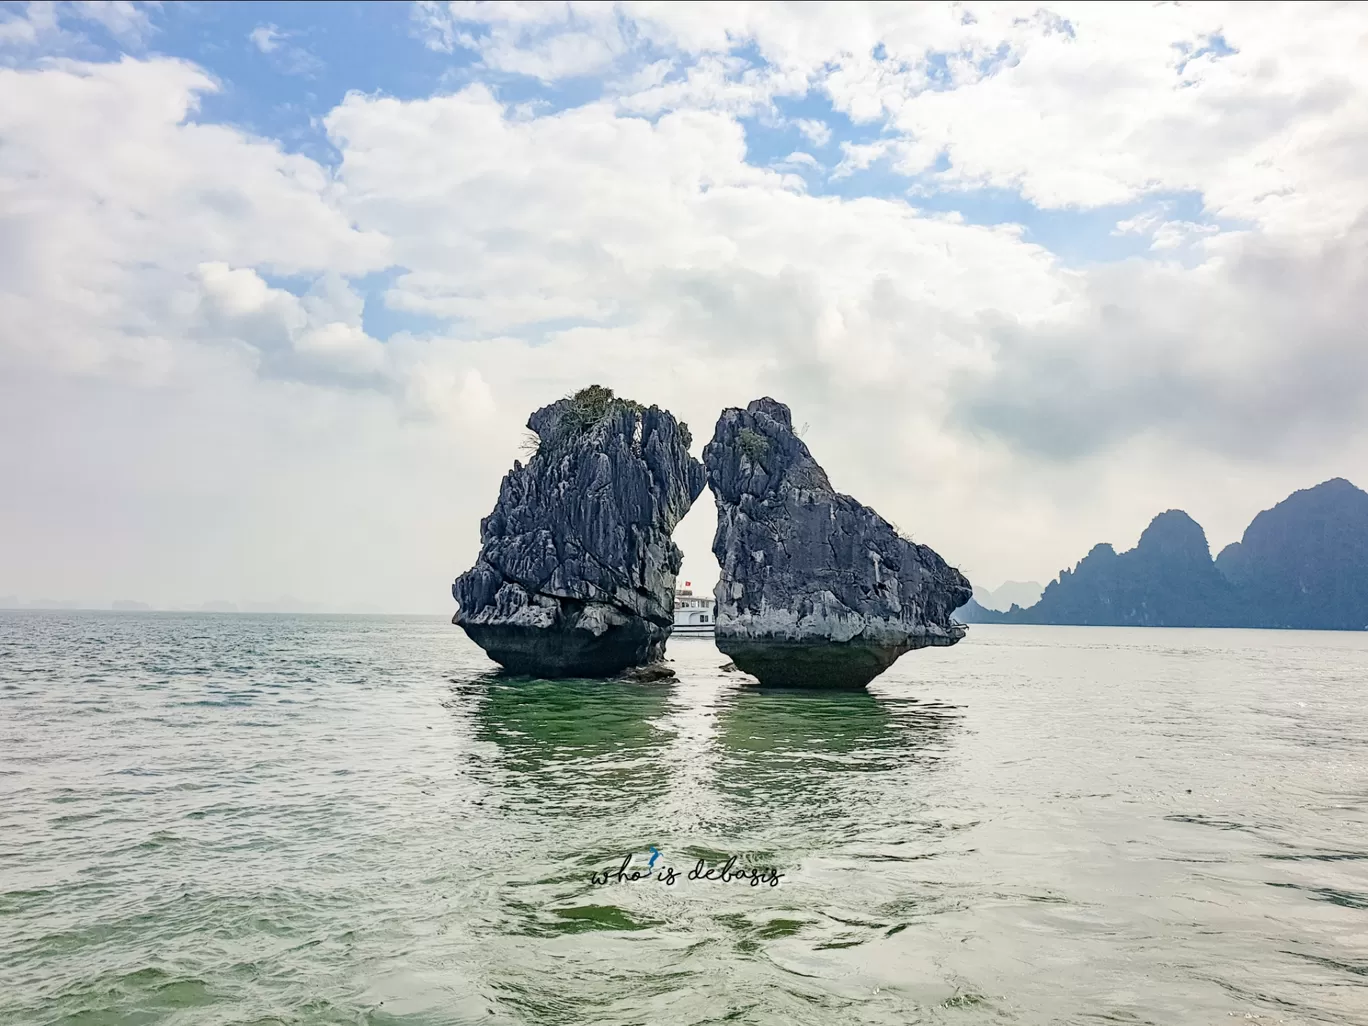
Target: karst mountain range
(1302, 564)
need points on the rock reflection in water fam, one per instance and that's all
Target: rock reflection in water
(570, 747)
(805, 761)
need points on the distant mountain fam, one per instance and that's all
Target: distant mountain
(1012, 593)
(1304, 563)
(973, 612)
(1167, 580)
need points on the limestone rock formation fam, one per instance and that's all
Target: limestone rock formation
(576, 571)
(1304, 563)
(1167, 580)
(815, 589)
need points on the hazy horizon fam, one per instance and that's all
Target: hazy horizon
(699, 582)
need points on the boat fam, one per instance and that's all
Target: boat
(694, 615)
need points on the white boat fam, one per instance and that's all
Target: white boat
(693, 614)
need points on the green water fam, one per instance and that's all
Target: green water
(214, 819)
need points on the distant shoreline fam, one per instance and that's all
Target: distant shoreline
(445, 618)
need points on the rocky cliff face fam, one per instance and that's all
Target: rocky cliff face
(1167, 580)
(815, 589)
(576, 571)
(1304, 563)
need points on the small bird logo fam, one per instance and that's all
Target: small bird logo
(654, 855)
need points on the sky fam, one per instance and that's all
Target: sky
(281, 283)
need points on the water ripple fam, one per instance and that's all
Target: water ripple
(212, 819)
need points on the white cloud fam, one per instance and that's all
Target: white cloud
(317, 338)
(37, 22)
(266, 38)
(1006, 409)
(1079, 105)
(1172, 234)
(59, 27)
(111, 206)
(817, 132)
(1164, 234)
(675, 247)
(1143, 223)
(124, 20)
(798, 159)
(433, 26)
(549, 41)
(859, 156)
(568, 55)
(1114, 109)
(288, 58)
(714, 82)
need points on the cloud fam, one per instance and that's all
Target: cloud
(59, 27)
(1172, 234)
(432, 26)
(266, 38)
(550, 42)
(1094, 107)
(1164, 234)
(799, 159)
(817, 132)
(290, 59)
(859, 156)
(1254, 354)
(38, 22)
(619, 43)
(186, 304)
(125, 21)
(1115, 110)
(714, 82)
(110, 207)
(316, 338)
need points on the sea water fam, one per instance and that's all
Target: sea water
(211, 819)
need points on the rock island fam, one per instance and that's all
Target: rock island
(815, 589)
(576, 572)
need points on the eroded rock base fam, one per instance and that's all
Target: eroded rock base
(847, 665)
(553, 653)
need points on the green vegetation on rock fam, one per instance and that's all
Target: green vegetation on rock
(589, 406)
(752, 444)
